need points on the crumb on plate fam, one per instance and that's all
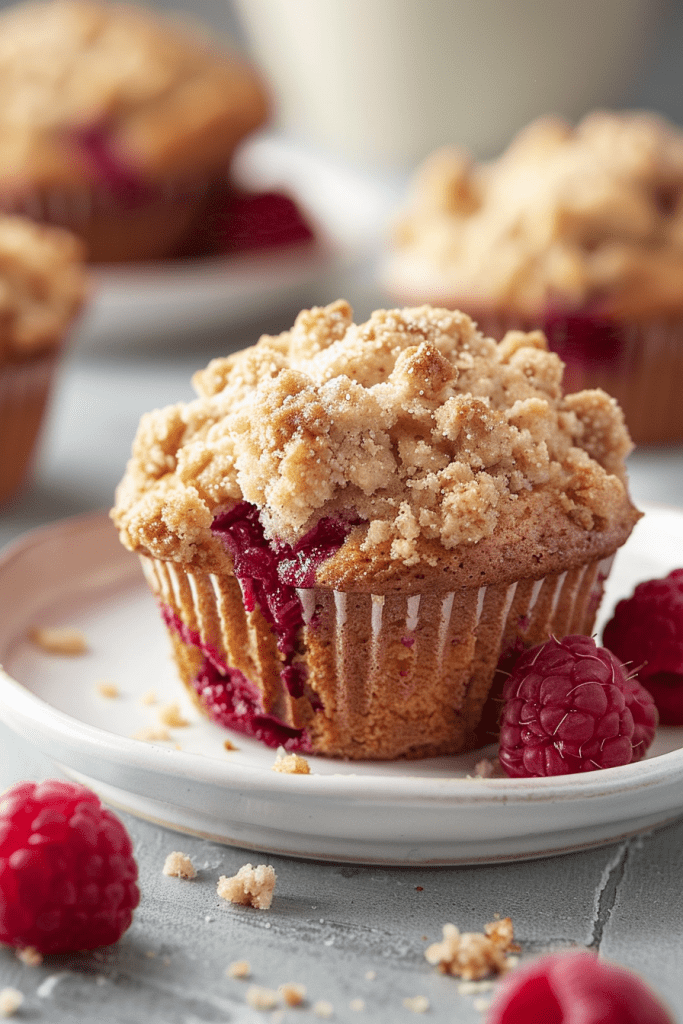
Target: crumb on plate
(10, 1001)
(59, 639)
(229, 745)
(418, 1004)
(171, 716)
(238, 969)
(323, 1009)
(293, 993)
(109, 690)
(152, 734)
(148, 698)
(290, 764)
(30, 956)
(261, 998)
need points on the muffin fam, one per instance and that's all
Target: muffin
(117, 123)
(578, 231)
(351, 525)
(42, 288)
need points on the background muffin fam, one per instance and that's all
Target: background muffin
(353, 523)
(578, 231)
(116, 122)
(42, 288)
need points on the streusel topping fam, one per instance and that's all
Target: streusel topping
(42, 285)
(433, 441)
(166, 99)
(565, 217)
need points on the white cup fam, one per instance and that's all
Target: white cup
(380, 83)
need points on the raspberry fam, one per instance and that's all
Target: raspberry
(569, 707)
(646, 632)
(575, 988)
(67, 873)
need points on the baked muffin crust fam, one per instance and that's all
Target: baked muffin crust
(566, 217)
(166, 100)
(458, 460)
(42, 286)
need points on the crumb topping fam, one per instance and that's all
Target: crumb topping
(290, 764)
(59, 640)
(42, 285)
(250, 887)
(179, 865)
(565, 217)
(473, 955)
(164, 98)
(435, 437)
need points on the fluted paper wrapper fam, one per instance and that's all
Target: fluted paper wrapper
(25, 386)
(387, 676)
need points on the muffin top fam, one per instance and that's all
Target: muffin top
(103, 94)
(565, 218)
(42, 285)
(454, 459)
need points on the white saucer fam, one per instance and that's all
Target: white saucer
(76, 573)
(149, 304)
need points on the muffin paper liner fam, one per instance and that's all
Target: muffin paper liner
(387, 676)
(638, 363)
(25, 386)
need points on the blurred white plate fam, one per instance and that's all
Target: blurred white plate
(149, 303)
(76, 573)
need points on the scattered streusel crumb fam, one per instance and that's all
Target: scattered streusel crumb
(250, 887)
(370, 975)
(473, 988)
(10, 1001)
(357, 1004)
(152, 734)
(179, 865)
(293, 993)
(148, 698)
(323, 1009)
(30, 956)
(481, 1005)
(290, 764)
(109, 690)
(418, 1004)
(238, 969)
(229, 745)
(473, 955)
(150, 954)
(261, 998)
(171, 716)
(59, 639)
(484, 769)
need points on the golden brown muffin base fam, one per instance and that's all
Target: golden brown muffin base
(397, 675)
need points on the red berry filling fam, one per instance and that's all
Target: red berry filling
(646, 632)
(569, 707)
(67, 872)
(575, 988)
(117, 177)
(584, 340)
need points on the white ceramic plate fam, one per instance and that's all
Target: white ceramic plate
(143, 304)
(76, 573)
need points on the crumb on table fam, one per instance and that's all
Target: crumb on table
(229, 745)
(238, 969)
(10, 1001)
(148, 698)
(292, 993)
(30, 956)
(473, 955)
(179, 865)
(250, 887)
(418, 1004)
(322, 1008)
(261, 998)
(59, 639)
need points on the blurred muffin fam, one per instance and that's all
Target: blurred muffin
(352, 524)
(578, 231)
(116, 123)
(42, 287)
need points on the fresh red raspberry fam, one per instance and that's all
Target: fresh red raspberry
(575, 988)
(67, 873)
(646, 633)
(569, 707)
